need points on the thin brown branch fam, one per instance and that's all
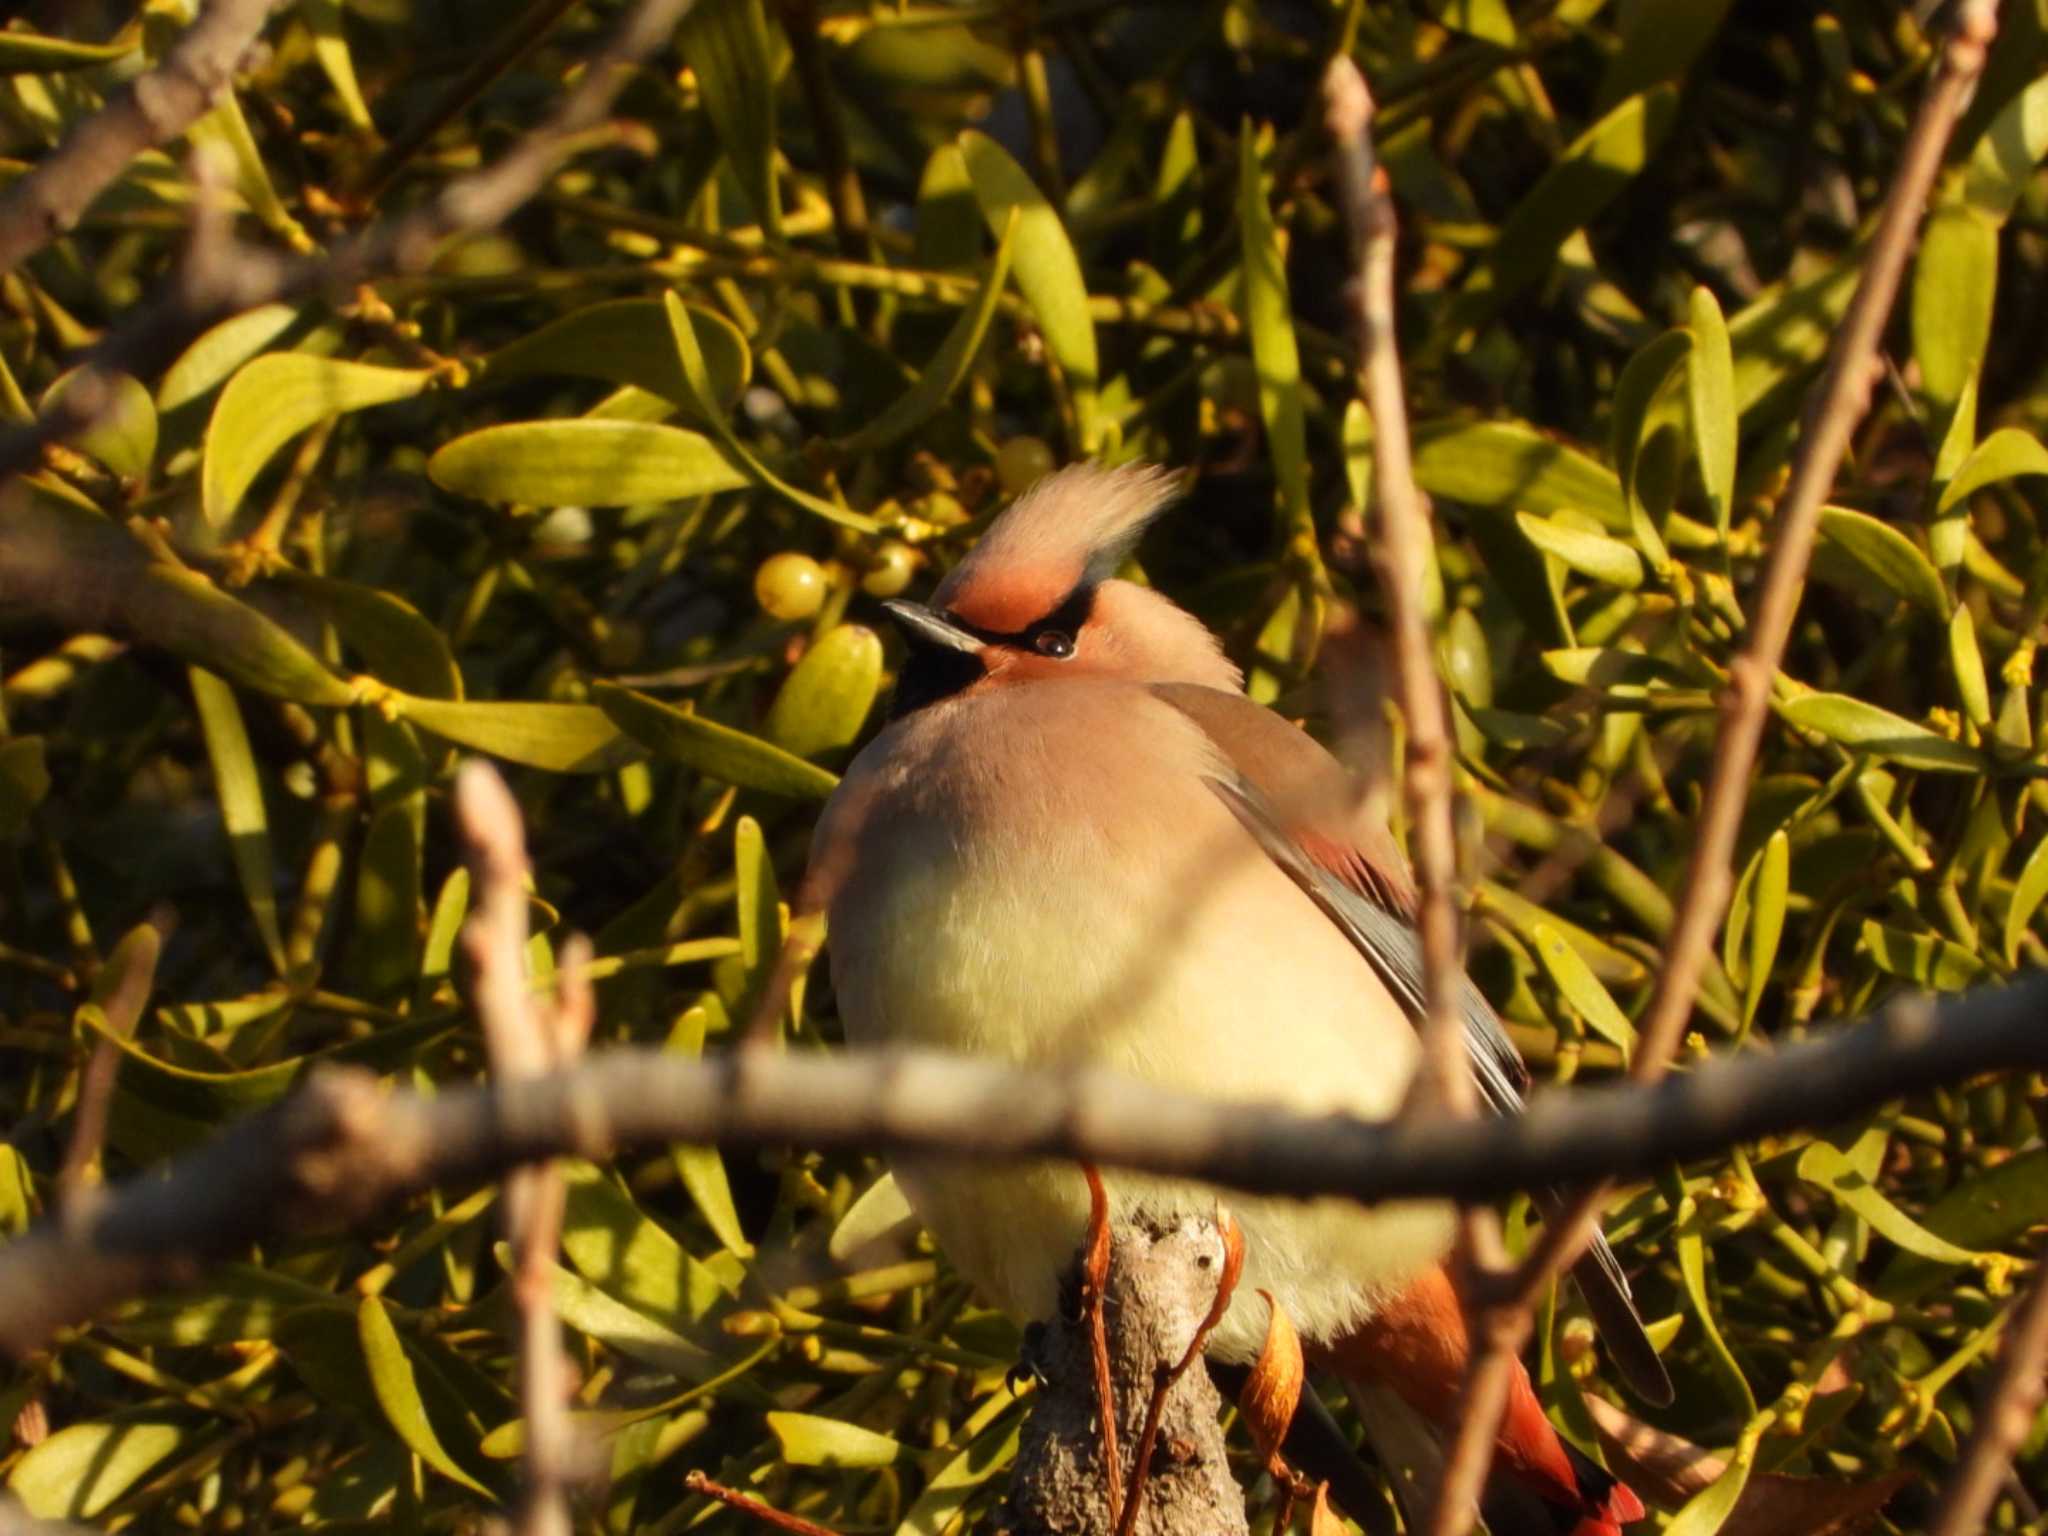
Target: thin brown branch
(1403, 557)
(149, 111)
(755, 1508)
(1404, 541)
(1840, 399)
(526, 1038)
(2006, 1414)
(343, 1146)
(1094, 1293)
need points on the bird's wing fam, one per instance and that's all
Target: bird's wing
(1301, 806)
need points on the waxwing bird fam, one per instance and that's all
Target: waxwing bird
(1078, 842)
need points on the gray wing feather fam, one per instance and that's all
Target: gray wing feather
(1394, 950)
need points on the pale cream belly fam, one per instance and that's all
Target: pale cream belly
(1207, 972)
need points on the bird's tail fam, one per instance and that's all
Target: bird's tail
(1417, 1346)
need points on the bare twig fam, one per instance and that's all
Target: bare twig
(1094, 1291)
(119, 992)
(1403, 557)
(527, 1038)
(151, 110)
(747, 1504)
(1839, 401)
(341, 1147)
(2003, 1418)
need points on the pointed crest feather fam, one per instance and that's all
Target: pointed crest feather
(1078, 522)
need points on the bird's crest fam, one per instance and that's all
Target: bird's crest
(1076, 525)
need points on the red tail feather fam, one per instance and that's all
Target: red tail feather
(1418, 1346)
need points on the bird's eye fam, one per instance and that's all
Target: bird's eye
(1056, 643)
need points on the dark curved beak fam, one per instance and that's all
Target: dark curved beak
(923, 626)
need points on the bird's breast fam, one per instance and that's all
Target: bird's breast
(1055, 882)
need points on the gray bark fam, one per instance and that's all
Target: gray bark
(1161, 1283)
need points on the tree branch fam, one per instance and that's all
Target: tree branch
(341, 1147)
(149, 111)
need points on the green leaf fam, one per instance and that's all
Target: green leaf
(1866, 728)
(1640, 387)
(711, 748)
(1710, 400)
(1987, 1210)
(1269, 318)
(697, 377)
(1692, 1269)
(1046, 270)
(1955, 276)
(1967, 663)
(393, 637)
(949, 366)
(2006, 454)
(949, 221)
(632, 1333)
(1588, 176)
(24, 780)
(1591, 554)
(827, 697)
(2027, 892)
(398, 1393)
(1770, 888)
(1922, 958)
(1572, 977)
(272, 400)
(1509, 465)
(939, 1506)
(1825, 1165)
(1708, 1510)
(239, 789)
(239, 1302)
(331, 51)
(211, 360)
(1787, 330)
(726, 44)
(31, 53)
(810, 1441)
(387, 902)
(2002, 165)
(619, 1249)
(123, 433)
(701, 1168)
(584, 463)
(83, 1468)
(1659, 43)
(1888, 555)
(626, 341)
(882, 1212)
(562, 738)
(1487, 19)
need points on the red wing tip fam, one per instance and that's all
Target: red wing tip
(1623, 1507)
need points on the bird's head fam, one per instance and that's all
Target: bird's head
(1037, 600)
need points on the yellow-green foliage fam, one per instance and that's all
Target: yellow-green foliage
(610, 493)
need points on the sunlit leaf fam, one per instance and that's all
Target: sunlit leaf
(711, 748)
(1045, 269)
(584, 463)
(272, 400)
